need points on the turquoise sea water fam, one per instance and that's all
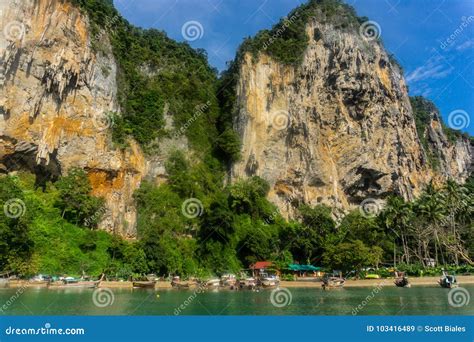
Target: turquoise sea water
(388, 300)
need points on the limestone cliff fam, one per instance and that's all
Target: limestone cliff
(337, 128)
(449, 152)
(55, 96)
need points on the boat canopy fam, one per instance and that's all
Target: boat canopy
(297, 267)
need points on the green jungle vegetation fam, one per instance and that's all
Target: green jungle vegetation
(287, 40)
(158, 75)
(56, 233)
(237, 227)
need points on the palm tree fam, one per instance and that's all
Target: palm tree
(431, 208)
(397, 217)
(459, 202)
(456, 200)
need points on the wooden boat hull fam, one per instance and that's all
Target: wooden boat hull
(269, 284)
(448, 285)
(78, 285)
(247, 283)
(212, 283)
(448, 281)
(186, 285)
(39, 284)
(339, 286)
(402, 282)
(228, 283)
(144, 284)
(333, 283)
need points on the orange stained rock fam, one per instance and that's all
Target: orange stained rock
(102, 183)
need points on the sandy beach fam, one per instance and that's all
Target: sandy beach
(104, 284)
(420, 281)
(161, 285)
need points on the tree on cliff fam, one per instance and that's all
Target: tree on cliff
(75, 200)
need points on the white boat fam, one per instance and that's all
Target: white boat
(448, 281)
(401, 280)
(247, 283)
(269, 280)
(73, 285)
(39, 281)
(213, 283)
(228, 280)
(70, 280)
(4, 282)
(334, 281)
(151, 277)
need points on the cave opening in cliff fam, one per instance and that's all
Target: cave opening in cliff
(25, 161)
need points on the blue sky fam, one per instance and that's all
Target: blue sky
(416, 31)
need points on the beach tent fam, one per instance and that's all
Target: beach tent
(303, 268)
(300, 270)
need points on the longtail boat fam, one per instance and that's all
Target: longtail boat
(213, 283)
(76, 284)
(401, 280)
(247, 283)
(144, 284)
(334, 281)
(4, 282)
(269, 281)
(448, 281)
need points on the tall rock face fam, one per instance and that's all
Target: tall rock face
(55, 94)
(449, 152)
(336, 129)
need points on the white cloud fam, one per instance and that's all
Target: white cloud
(421, 89)
(435, 67)
(466, 45)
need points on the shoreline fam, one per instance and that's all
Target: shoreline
(414, 281)
(164, 285)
